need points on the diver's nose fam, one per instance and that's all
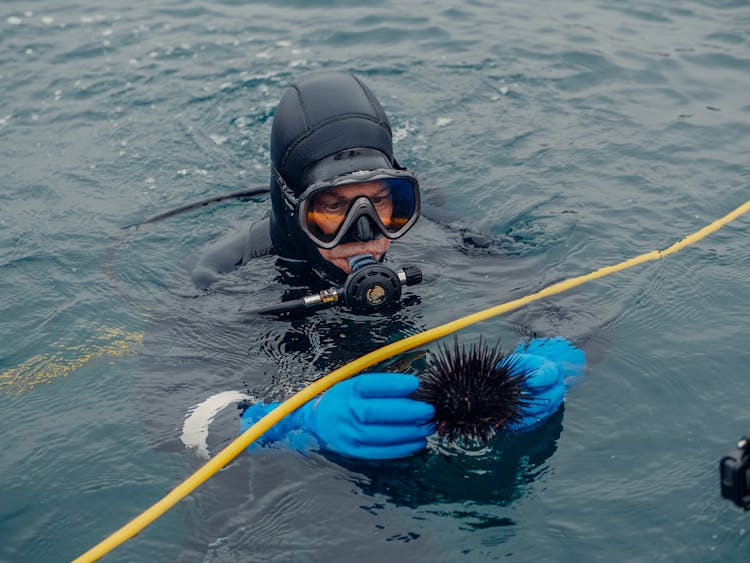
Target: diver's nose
(362, 230)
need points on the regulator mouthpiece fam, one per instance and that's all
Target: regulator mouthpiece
(371, 285)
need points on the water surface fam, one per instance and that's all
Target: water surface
(572, 134)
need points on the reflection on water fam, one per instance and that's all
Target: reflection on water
(449, 475)
(296, 497)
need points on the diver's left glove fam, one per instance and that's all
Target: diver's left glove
(553, 365)
(369, 416)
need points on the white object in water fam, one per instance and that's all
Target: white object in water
(200, 416)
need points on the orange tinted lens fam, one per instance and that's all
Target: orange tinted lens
(396, 223)
(324, 223)
(393, 199)
(326, 213)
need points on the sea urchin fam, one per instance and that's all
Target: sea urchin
(477, 392)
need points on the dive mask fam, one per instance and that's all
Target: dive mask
(326, 211)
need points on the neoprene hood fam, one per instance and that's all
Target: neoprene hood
(327, 124)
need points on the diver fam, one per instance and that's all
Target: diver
(338, 196)
(337, 192)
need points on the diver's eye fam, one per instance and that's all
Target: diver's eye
(380, 199)
(333, 206)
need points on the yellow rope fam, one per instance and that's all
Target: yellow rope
(294, 402)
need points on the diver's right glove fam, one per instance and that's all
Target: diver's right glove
(369, 416)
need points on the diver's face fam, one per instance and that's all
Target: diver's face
(329, 211)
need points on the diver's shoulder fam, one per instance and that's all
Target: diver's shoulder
(259, 242)
(231, 250)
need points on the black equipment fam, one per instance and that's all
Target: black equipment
(735, 474)
(370, 287)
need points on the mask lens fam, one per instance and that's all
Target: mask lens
(326, 212)
(404, 204)
(393, 200)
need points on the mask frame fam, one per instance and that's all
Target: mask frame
(298, 206)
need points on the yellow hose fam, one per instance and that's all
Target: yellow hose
(221, 459)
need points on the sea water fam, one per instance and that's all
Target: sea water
(550, 139)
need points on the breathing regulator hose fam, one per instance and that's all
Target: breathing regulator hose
(368, 360)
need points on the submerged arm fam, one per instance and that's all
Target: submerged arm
(369, 416)
(221, 257)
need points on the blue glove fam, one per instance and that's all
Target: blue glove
(572, 360)
(369, 416)
(553, 364)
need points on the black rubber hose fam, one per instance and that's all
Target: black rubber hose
(109, 256)
(284, 307)
(250, 192)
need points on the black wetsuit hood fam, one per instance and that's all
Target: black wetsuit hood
(326, 124)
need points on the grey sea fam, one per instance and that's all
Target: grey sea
(550, 139)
